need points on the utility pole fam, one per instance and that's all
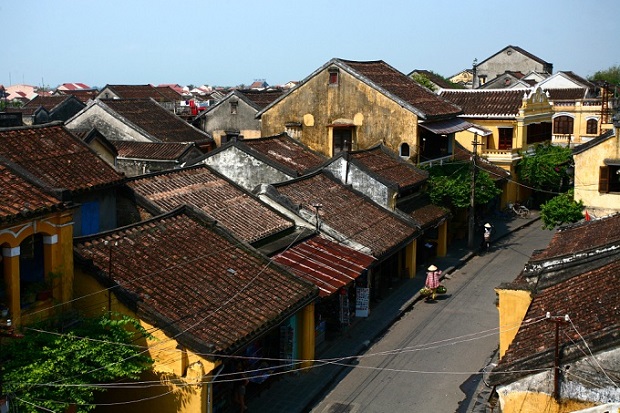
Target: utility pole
(472, 197)
(556, 360)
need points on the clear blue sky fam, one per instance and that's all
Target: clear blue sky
(232, 42)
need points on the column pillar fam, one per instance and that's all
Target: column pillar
(442, 239)
(10, 259)
(307, 335)
(410, 258)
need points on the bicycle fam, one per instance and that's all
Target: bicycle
(519, 210)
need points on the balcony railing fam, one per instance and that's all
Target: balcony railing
(436, 161)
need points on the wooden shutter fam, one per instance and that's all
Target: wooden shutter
(603, 179)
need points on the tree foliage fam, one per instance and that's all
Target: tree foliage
(560, 210)
(450, 186)
(546, 170)
(610, 75)
(55, 369)
(424, 81)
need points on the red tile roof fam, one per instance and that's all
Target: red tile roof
(286, 153)
(236, 209)
(403, 87)
(348, 212)
(495, 172)
(579, 237)
(48, 102)
(261, 98)
(382, 164)
(327, 264)
(56, 157)
(170, 93)
(151, 150)
(193, 280)
(22, 198)
(138, 92)
(156, 120)
(591, 300)
(566, 94)
(494, 102)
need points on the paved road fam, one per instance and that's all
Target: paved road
(429, 360)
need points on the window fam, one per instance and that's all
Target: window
(563, 125)
(404, 150)
(592, 127)
(342, 140)
(233, 107)
(333, 75)
(609, 179)
(505, 138)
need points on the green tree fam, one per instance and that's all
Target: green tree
(560, 210)
(52, 369)
(450, 186)
(546, 169)
(424, 81)
(610, 75)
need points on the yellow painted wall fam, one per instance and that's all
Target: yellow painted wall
(587, 169)
(526, 402)
(181, 374)
(58, 263)
(316, 105)
(513, 305)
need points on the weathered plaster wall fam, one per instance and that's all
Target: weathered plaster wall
(513, 305)
(220, 119)
(243, 169)
(360, 181)
(587, 170)
(178, 371)
(110, 126)
(316, 105)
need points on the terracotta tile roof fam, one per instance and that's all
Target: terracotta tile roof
(433, 77)
(236, 209)
(495, 172)
(196, 282)
(48, 102)
(566, 94)
(493, 102)
(22, 198)
(579, 237)
(285, 153)
(429, 215)
(327, 264)
(348, 212)
(400, 85)
(152, 150)
(261, 98)
(591, 300)
(56, 157)
(384, 166)
(169, 93)
(82, 95)
(156, 120)
(138, 92)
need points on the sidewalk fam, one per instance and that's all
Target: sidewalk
(297, 392)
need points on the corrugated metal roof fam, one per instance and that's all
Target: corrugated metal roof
(327, 264)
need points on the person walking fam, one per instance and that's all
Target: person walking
(488, 229)
(432, 281)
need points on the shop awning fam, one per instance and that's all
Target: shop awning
(445, 127)
(327, 264)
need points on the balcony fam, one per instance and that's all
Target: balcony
(501, 155)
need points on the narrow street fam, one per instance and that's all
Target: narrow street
(429, 360)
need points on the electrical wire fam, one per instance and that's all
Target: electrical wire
(590, 353)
